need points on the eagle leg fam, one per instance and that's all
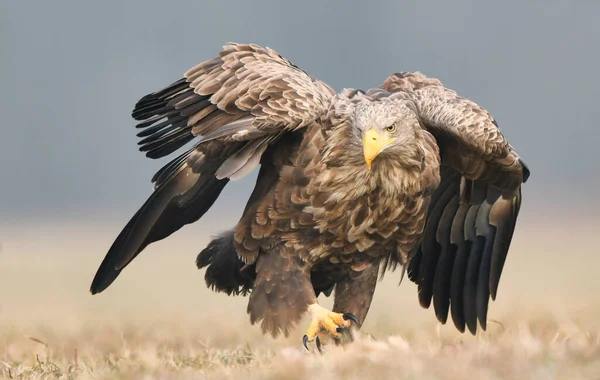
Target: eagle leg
(326, 323)
(282, 291)
(354, 293)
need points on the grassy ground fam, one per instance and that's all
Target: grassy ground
(528, 349)
(159, 321)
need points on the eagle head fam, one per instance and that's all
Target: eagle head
(389, 130)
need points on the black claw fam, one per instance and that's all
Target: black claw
(305, 341)
(348, 316)
(345, 335)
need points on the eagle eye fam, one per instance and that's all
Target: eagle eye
(391, 128)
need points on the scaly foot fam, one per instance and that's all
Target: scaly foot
(326, 321)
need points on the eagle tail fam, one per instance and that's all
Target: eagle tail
(225, 272)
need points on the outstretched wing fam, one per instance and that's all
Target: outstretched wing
(472, 214)
(237, 104)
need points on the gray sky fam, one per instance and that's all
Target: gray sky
(71, 72)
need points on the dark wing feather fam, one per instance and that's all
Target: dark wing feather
(473, 213)
(237, 104)
(459, 267)
(443, 271)
(179, 200)
(431, 249)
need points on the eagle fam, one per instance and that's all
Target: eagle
(350, 185)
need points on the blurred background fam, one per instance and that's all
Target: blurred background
(71, 175)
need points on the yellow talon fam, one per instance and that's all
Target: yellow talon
(326, 322)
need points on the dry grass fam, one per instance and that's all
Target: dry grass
(159, 321)
(540, 349)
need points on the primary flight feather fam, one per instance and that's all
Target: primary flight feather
(350, 184)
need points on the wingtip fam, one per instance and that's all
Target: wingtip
(94, 289)
(526, 172)
(424, 301)
(472, 328)
(442, 317)
(97, 287)
(483, 324)
(459, 324)
(103, 279)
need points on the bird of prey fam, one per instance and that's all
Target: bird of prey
(350, 185)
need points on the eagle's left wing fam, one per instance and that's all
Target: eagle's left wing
(472, 214)
(238, 106)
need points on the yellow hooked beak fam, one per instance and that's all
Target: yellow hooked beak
(373, 144)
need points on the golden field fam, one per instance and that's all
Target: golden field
(159, 321)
